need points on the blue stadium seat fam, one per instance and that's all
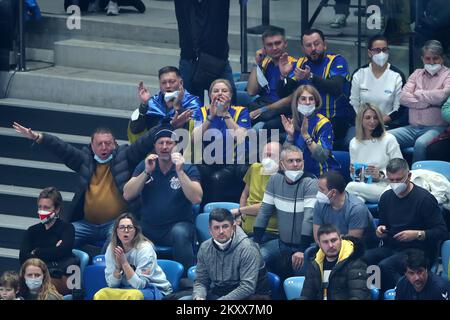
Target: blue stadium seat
(293, 287)
(373, 208)
(389, 294)
(226, 205)
(202, 227)
(308, 256)
(173, 270)
(94, 280)
(240, 85)
(275, 284)
(84, 259)
(191, 273)
(442, 167)
(374, 293)
(99, 259)
(343, 157)
(445, 254)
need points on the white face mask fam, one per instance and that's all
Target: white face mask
(170, 96)
(398, 187)
(322, 198)
(270, 167)
(33, 283)
(305, 109)
(97, 158)
(223, 246)
(433, 68)
(293, 175)
(380, 58)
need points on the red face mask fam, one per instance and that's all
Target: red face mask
(46, 216)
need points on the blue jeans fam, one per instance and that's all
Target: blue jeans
(180, 237)
(418, 137)
(187, 69)
(90, 233)
(390, 263)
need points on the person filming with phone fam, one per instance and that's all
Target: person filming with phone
(410, 217)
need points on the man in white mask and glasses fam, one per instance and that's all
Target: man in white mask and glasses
(409, 218)
(424, 94)
(291, 195)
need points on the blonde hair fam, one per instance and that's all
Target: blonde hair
(378, 132)
(47, 287)
(139, 237)
(296, 116)
(225, 82)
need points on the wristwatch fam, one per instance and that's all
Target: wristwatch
(420, 235)
(311, 76)
(309, 141)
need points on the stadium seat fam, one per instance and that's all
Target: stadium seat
(84, 259)
(274, 283)
(202, 227)
(173, 270)
(374, 293)
(442, 167)
(99, 259)
(293, 287)
(389, 294)
(343, 157)
(191, 273)
(226, 205)
(445, 254)
(373, 208)
(308, 256)
(94, 279)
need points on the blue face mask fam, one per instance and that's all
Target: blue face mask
(97, 158)
(33, 283)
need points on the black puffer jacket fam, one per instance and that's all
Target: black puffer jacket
(124, 161)
(347, 280)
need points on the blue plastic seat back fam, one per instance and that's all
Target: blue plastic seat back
(343, 157)
(202, 227)
(442, 167)
(93, 280)
(226, 205)
(374, 293)
(275, 284)
(99, 259)
(293, 287)
(173, 270)
(445, 254)
(389, 294)
(191, 273)
(84, 259)
(163, 250)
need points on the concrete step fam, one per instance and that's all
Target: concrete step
(81, 87)
(63, 118)
(12, 230)
(22, 201)
(34, 174)
(126, 58)
(9, 260)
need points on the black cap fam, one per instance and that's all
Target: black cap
(164, 130)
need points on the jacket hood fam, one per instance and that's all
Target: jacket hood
(238, 237)
(351, 249)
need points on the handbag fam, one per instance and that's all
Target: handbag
(207, 68)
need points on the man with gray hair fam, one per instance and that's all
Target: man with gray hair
(292, 195)
(409, 218)
(424, 94)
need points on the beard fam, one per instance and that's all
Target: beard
(319, 56)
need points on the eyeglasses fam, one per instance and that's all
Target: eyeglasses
(379, 50)
(125, 228)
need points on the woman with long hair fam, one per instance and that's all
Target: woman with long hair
(35, 281)
(371, 148)
(310, 131)
(131, 263)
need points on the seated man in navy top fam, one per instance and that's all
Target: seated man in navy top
(168, 188)
(418, 283)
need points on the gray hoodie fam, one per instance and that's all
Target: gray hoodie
(232, 274)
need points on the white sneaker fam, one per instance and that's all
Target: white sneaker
(112, 9)
(94, 6)
(340, 21)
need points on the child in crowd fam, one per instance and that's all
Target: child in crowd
(9, 286)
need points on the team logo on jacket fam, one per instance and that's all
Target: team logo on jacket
(175, 183)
